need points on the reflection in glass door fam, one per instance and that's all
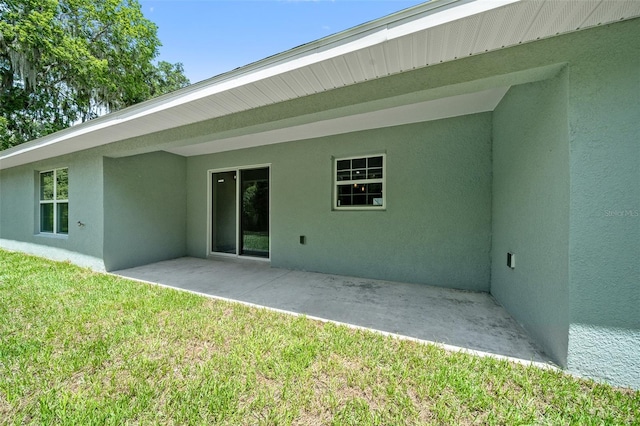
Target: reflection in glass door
(223, 208)
(254, 217)
(240, 212)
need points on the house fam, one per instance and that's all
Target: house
(488, 145)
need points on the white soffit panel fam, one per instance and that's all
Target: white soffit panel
(424, 35)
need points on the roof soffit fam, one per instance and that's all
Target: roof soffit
(416, 38)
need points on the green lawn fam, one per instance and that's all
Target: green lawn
(78, 347)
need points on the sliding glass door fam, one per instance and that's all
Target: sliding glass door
(240, 212)
(223, 208)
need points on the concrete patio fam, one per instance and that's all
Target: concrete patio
(458, 319)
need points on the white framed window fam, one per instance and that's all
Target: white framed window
(359, 183)
(54, 201)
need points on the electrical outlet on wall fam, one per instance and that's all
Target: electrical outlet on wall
(511, 260)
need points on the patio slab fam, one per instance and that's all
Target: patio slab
(459, 319)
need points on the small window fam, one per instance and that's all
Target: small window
(359, 183)
(54, 201)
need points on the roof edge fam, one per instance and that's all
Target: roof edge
(251, 68)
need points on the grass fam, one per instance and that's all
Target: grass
(255, 241)
(79, 347)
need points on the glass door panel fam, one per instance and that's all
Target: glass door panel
(254, 212)
(223, 208)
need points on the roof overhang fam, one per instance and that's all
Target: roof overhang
(431, 33)
(452, 106)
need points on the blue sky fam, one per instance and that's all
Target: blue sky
(214, 36)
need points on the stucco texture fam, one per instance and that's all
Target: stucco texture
(436, 226)
(604, 249)
(145, 209)
(19, 226)
(531, 210)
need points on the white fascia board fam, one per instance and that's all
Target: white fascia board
(345, 45)
(415, 19)
(72, 132)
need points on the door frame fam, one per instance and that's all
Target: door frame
(210, 218)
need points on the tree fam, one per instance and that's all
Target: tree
(166, 77)
(67, 61)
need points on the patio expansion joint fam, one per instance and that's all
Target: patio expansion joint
(276, 278)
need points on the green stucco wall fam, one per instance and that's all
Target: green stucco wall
(19, 228)
(145, 209)
(435, 230)
(603, 115)
(133, 209)
(604, 248)
(531, 210)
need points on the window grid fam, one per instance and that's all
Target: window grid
(54, 201)
(359, 183)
